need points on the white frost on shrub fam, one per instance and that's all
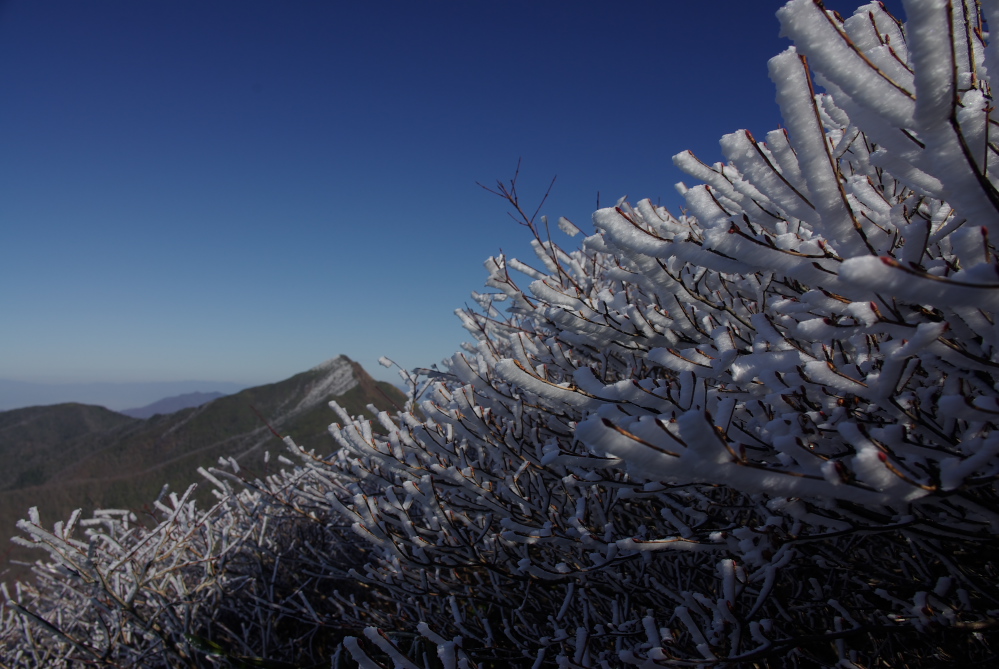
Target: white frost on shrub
(760, 430)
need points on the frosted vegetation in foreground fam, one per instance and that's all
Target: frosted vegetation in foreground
(759, 432)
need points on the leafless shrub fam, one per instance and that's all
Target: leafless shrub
(760, 433)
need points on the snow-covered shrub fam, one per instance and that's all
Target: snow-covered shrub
(762, 431)
(127, 596)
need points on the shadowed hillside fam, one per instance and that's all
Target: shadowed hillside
(70, 456)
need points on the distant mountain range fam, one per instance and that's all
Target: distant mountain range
(115, 396)
(172, 404)
(70, 456)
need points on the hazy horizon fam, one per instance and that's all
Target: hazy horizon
(115, 396)
(123, 395)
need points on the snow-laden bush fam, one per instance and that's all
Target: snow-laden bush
(758, 432)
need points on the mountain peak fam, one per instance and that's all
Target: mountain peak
(332, 363)
(335, 377)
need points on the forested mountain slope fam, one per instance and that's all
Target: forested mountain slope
(67, 456)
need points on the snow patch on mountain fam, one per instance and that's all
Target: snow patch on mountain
(337, 378)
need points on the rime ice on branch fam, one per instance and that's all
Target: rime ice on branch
(762, 430)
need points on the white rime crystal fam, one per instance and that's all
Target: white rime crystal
(758, 433)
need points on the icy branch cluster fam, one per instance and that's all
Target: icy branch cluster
(759, 431)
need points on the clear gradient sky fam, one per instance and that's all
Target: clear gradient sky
(239, 190)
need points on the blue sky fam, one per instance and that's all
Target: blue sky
(239, 190)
